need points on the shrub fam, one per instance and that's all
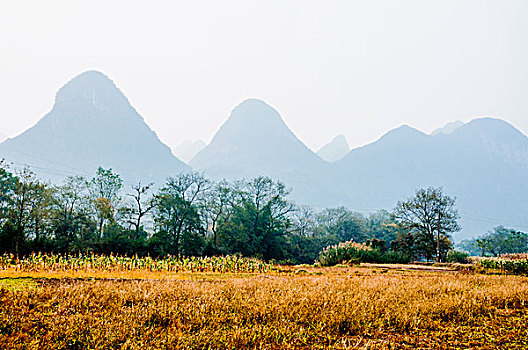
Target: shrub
(456, 256)
(355, 253)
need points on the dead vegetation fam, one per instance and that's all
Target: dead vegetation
(333, 308)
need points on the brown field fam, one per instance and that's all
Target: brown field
(368, 307)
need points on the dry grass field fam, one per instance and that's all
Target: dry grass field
(298, 308)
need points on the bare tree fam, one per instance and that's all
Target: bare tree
(303, 221)
(220, 202)
(140, 207)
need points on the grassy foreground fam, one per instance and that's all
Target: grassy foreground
(330, 308)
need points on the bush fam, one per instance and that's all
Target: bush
(456, 256)
(355, 253)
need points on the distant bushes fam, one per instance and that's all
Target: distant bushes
(354, 253)
(456, 256)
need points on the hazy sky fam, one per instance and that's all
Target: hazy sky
(357, 68)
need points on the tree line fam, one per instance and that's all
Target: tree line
(192, 215)
(499, 241)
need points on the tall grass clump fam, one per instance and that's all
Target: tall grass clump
(354, 253)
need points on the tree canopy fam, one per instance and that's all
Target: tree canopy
(429, 217)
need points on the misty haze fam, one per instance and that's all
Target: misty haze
(231, 158)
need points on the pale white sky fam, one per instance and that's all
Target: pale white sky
(357, 68)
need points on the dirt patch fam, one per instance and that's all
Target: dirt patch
(411, 267)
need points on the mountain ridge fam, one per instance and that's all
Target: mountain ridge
(92, 124)
(448, 128)
(468, 163)
(483, 162)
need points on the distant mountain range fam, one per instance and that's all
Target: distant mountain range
(484, 163)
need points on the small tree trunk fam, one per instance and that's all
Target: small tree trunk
(215, 245)
(438, 259)
(101, 222)
(438, 247)
(138, 224)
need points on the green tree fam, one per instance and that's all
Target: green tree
(177, 214)
(259, 221)
(342, 223)
(501, 240)
(220, 203)
(40, 215)
(430, 217)
(7, 188)
(27, 213)
(8, 183)
(381, 225)
(105, 188)
(72, 215)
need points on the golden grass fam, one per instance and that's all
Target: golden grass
(323, 308)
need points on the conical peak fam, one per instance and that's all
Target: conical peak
(250, 120)
(93, 75)
(341, 140)
(256, 137)
(88, 80)
(253, 103)
(405, 128)
(334, 150)
(93, 87)
(404, 131)
(254, 110)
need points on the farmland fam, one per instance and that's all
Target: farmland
(376, 307)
